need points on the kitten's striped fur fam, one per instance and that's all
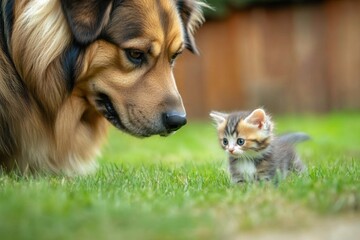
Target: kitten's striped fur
(255, 153)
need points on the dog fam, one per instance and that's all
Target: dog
(69, 67)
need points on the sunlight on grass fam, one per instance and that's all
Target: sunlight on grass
(178, 188)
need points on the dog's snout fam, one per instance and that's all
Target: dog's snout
(173, 120)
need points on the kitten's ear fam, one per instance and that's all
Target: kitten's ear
(258, 118)
(218, 117)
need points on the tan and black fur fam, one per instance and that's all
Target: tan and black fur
(68, 66)
(255, 153)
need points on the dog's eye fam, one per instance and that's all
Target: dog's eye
(135, 56)
(173, 57)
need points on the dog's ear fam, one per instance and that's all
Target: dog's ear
(86, 18)
(192, 17)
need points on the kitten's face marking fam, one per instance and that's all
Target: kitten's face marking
(243, 134)
(232, 144)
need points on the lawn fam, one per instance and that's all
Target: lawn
(178, 188)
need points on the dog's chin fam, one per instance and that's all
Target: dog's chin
(143, 133)
(165, 134)
(107, 109)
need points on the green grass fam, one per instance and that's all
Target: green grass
(178, 188)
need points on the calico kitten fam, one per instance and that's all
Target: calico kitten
(254, 152)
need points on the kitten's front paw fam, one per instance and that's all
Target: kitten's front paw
(238, 181)
(241, 181)
(263, 179)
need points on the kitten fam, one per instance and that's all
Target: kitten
(254, 152)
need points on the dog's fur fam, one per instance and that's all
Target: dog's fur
(68, 65)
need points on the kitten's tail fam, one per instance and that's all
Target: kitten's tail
(293, 138)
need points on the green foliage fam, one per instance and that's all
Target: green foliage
(178, 188)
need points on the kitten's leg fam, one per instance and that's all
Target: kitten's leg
(298, 165)
(236, 175)
(264, 171)
(263, 178)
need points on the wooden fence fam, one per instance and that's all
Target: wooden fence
(293, 58)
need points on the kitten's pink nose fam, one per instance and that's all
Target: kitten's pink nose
(231, 150)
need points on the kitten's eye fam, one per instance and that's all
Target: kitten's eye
(225, 141)
(240, 141)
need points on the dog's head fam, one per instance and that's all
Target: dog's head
(131, 46)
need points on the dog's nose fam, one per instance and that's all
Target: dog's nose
(173, 120)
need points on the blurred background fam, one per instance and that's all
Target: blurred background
(289, 56)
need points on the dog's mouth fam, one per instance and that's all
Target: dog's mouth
(107, 109)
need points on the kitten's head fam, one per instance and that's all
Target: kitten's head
(243, 133)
